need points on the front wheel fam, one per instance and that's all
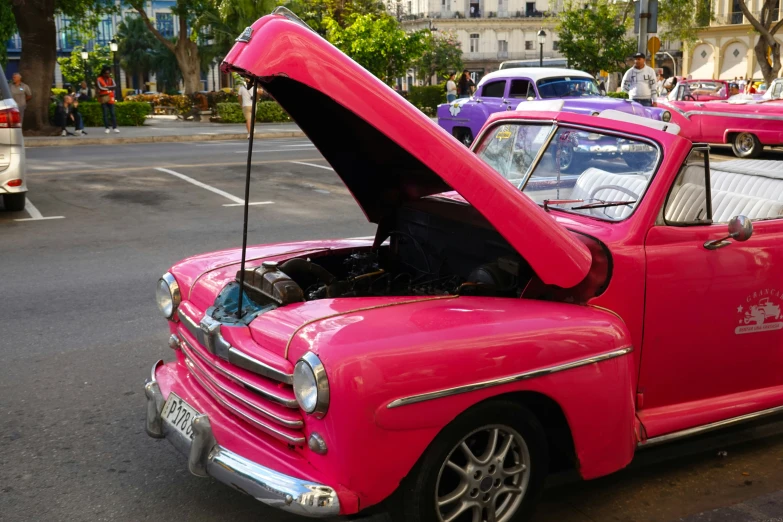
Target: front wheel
(746, 145)
(489, 465)
(14, 202)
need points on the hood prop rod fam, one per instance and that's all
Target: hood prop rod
(254, 94)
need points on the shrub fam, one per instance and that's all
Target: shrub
(128, 113)
(623, 95)
(266, 111)
(427, 98)
(59, 92)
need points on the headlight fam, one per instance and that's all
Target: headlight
(167, 295)
(666, 116)
(311, 387)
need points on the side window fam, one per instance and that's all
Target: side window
(521, 89)
(777, 88)
(494, 89)
(733, 191)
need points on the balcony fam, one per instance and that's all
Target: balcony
(445, 14)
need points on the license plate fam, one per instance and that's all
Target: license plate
(179, 415)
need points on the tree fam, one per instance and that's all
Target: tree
(72, 66)
(593, 37)
(185, 45)
(680, 20)
(136, 45)
(442, 54)
(7, 29)
(35, 22)
(232, 17)
(767, 48)
(316, 12)
(378, 43)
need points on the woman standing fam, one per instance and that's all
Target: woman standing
(451, 89)
(106, 88)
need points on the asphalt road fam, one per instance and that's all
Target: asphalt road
(80, 331)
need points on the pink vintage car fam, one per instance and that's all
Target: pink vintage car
(746, 122)
(505, 321)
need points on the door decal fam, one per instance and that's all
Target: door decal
(760, 313)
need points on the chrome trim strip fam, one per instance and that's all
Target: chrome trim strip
(271, 416)
(698, 430)
(288, 403)
(216, 344)
(467, 388)
(298, 441)
(745, 116)
(206, 457)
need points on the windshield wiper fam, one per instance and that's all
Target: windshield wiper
(604, 204)
(548, 202)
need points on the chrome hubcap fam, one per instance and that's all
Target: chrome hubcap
(484, 478)
(566, 155)
(745, 142)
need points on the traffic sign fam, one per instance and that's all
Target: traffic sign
(654, 45)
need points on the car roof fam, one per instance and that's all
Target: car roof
(533, 73)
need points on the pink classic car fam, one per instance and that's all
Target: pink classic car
(747, 122)
(505, 321)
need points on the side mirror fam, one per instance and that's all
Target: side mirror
(530, 98)
(740, 229)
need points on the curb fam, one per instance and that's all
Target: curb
(80, 141)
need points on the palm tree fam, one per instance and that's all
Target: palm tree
(135, 45)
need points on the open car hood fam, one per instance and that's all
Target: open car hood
(386, 151)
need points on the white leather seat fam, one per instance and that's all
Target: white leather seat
(688, 204)
(611, 190)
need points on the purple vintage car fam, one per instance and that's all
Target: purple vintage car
(504, 90)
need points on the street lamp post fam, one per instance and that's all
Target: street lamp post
(85, 56)
(114, 48)
(541, 40)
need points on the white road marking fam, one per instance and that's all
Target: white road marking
(35, 214)
(311, 165)
(226, 195)
(253, 203)
(299, 145)
(262, 150)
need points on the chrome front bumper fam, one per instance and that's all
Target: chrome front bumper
(207, 458)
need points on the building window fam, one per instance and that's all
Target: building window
(502, 46)
(474, 43)
(69, 38)
(529, 45)
(736, 12)
(530, 8)
(105, 32)
(555, 45)
(165, 24)
(443, 3)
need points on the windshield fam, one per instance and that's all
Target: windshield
(565, 86)
(590, 173)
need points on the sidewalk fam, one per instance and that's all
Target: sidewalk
(167, 129)
(767, 508)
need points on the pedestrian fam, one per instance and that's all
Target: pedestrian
(451, 89)
(733, 89)
(246, 101)
(659, 89)
(84, 93)
(601, 86)
(463, 85)
(21, 94)
(639, 82)
(106, 87)
(741, 84)
(67, 113)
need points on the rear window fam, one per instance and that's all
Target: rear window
(5, 92)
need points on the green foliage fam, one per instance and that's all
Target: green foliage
(267, 111)
(622, 95)
(442, 54)
(232, 16)
(427, 98)
(136, 46)
(681, 19)
(129, 114)
(59, 93)
(72, 66)
(315, 13)
(593, 36)
(377, 43)
(7, 29)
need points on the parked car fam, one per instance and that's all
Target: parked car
(509, 89)
(505, 320)
(701, 90)
(746, 122)
(12, 158)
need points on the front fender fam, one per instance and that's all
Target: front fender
(375, 357)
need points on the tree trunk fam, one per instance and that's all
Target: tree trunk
(189, 63)
(35, 21)
(770, 72)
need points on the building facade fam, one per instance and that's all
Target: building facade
(489, 31)
(725, 48)
(159, 12)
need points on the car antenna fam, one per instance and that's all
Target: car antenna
(254, 94)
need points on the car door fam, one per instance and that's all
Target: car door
(712, 345)
(520, 90)
(493, 96)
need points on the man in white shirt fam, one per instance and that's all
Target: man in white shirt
(246, 101)
(639, 82)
